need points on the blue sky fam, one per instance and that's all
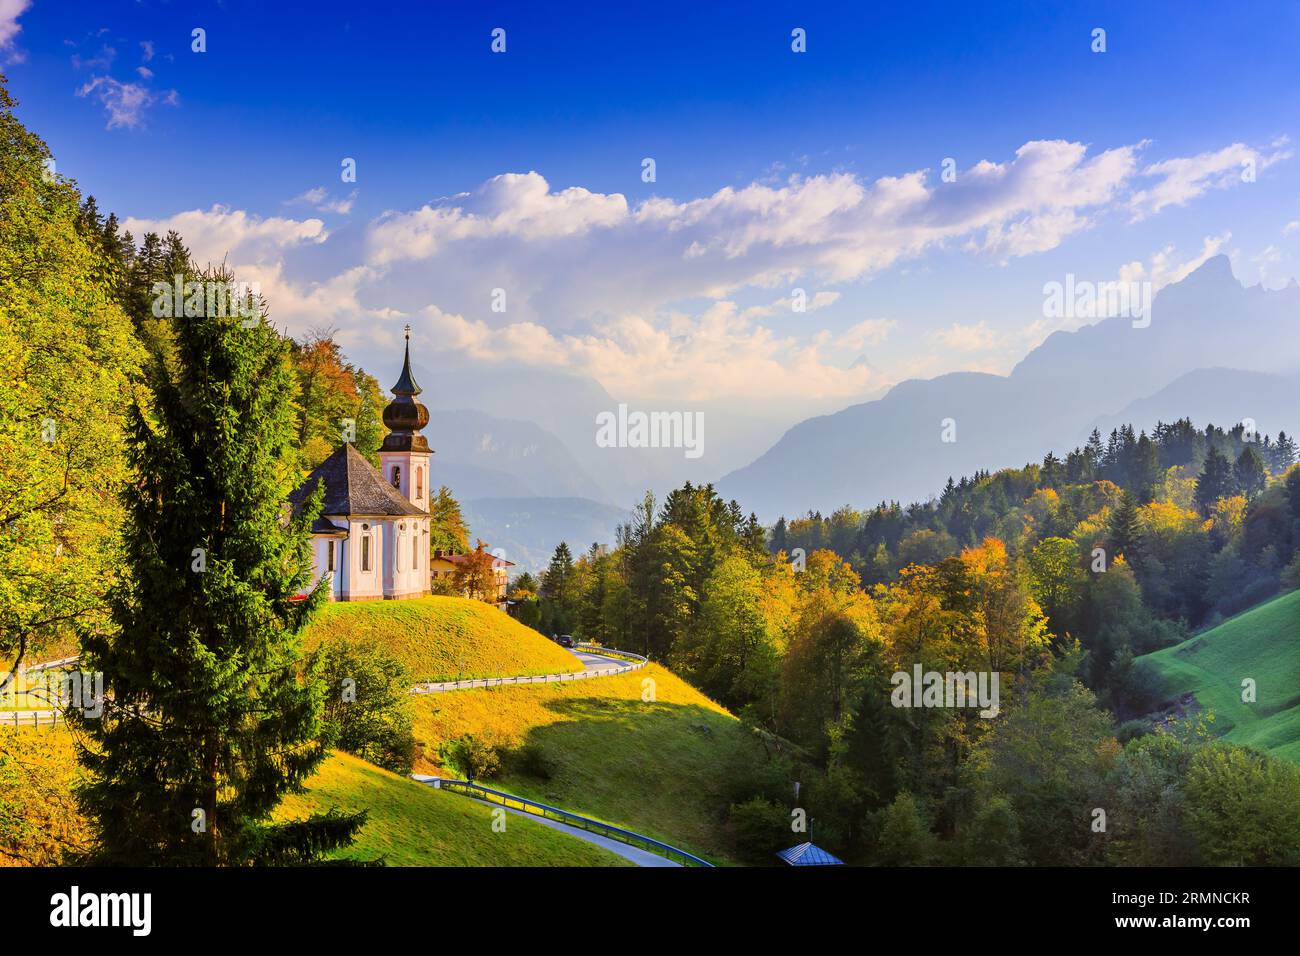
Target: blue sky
(774, 171)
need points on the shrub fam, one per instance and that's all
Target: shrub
(759, 828)
(472, 758)
(367, 703)
(903, 836)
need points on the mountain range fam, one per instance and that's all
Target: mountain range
(1213, 350)
(517, 446)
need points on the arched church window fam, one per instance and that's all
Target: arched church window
(365, 552)
(397, 477)
(419, 482)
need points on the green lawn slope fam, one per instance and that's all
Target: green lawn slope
(443, 638)
(410, 824)
(600, 748)
(1263, 644)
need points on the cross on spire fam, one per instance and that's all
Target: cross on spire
(408, 332)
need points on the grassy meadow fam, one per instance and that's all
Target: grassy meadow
(443, 638)
(1262, 643)
(597, 747)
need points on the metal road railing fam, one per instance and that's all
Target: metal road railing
(636, 663)
(30, 718)
(630, 837)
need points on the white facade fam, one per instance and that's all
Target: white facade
(372, 539)
(408, 472)
(379, 557)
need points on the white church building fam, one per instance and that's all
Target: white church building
(371, 540)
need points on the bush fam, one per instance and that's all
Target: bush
(759, 828)
(1132, 729)
(474, 759)
(367, 703)
(903, 836)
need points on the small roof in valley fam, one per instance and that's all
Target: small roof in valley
(808, 854)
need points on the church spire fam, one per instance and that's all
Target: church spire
(406, 385)
(404, 416)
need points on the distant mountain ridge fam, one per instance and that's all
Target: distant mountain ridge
(479, 455)
(894, 448)
(526, 530)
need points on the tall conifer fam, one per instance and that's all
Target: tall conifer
(209, 720)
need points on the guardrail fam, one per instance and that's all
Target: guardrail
(437, 687)
(30, 718)
(630, 837)
(613, 652)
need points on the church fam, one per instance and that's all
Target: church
(372, 537)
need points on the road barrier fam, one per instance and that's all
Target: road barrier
(636, 662)
(30, 718)
(470, 789)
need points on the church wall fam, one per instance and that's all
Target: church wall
(320, 562)
(362, 585)
(406, 561)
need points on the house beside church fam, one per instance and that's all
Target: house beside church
(445, 562)
(372, 536)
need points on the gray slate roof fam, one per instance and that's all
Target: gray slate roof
(353, 487)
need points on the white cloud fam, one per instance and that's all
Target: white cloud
(517, 205)
(1186, 178)
(220, 233)
(319, 199)
(125, 103)
(864, 333)
(1291, 227)
(785, 305)
(642, 297)
(1164, 269)
(966, 338)
(10, 11)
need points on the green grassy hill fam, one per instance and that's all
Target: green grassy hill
(409, 824)
(443, 638)
(1263, 644)
(597, 747)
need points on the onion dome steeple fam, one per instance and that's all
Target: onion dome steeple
(404, 416)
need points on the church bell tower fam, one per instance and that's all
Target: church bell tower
(404, 455)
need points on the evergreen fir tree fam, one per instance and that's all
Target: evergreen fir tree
(208, 721)
(1249, 473)
(1126, 532)
(1216, 480)
(1284, 453)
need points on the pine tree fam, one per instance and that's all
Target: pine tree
(1145, 469)
(1284, 453)
(1249, 473)
(555, 581)
(1126, 532)
(207, 721)
(1216, 481)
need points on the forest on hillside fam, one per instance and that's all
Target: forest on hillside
(1057, 575)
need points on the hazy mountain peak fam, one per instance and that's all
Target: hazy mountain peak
(1214, 269)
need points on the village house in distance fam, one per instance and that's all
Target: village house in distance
(444, 565)
(372, 537)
